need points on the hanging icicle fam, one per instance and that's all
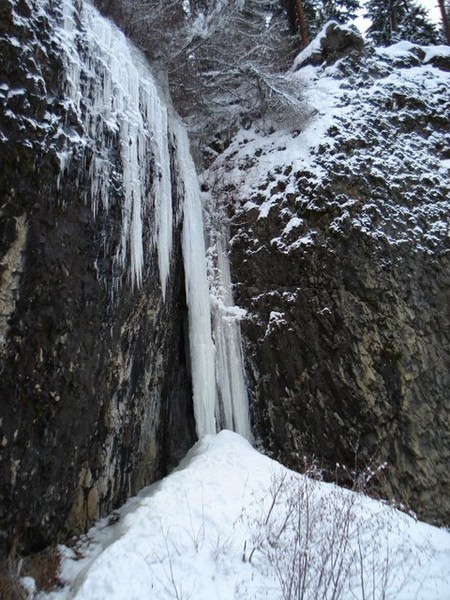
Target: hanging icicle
(115, 98)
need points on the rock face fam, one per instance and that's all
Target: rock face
(341, 250)
(333, 42)
(341, 256)
(85, 357)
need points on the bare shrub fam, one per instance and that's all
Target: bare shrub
(11, 588)
(43, 568)
(326, 543)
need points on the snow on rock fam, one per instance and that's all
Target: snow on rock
(349, 209)
(433, 51)
(381, 128)
(208, 531)
(332, 43)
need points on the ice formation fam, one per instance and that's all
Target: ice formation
(112, 93)
(220, 394)
(197, 291)
(232, 410)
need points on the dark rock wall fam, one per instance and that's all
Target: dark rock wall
(95, 391)
(348, 331)
(357, 366)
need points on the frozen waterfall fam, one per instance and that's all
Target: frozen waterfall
(232, 410)
(220, 394)
(117, 105)
(197, 292)
(113, 95)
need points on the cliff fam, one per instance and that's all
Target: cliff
(340, 256)
(95, 388)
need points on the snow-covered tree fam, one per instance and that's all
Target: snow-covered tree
(394, 20)
(221, 58)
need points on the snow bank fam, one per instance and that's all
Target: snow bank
(202, 531)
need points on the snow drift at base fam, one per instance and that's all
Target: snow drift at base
(232, 523)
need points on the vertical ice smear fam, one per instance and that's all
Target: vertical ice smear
(232, 407)
(220, 394)
(162, 190)
(112, 93)
(197, 292)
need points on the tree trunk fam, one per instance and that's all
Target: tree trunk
(302, 23)
(393, 19)
(291, 13)
(394, 25)
(445, 20)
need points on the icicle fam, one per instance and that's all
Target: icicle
(157, 117)
(112, 92)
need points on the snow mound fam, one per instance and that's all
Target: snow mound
(224, 525)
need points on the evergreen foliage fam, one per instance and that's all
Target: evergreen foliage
(341, 11)
(395, 20)
(318, 12)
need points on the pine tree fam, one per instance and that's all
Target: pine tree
(341, 11)
(307, 17)
(417, 28)
(395, 20)
(384, 15)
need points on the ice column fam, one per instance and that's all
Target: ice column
(232, 408)
(220, 394)
(197, 291)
